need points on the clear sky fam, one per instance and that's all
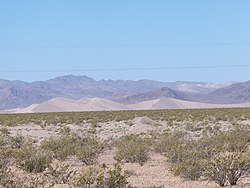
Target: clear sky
(59, 37)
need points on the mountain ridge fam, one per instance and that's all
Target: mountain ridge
(14, 94)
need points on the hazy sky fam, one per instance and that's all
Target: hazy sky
(59, 37)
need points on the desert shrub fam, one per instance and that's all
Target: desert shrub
(4, 130)
(33, 159)
(185, 157)
(90, 178)
(4, 140)
(133, 149)
(115, 178)
(13, 141)
(58, 174)
(102, 176)
(18, 141)
(62, 147)
(168, 142)
(228, 167)
(11, 180)
(65, 130)
(233, 141)
(86, 148)
(221, 155)
(8, 179)
(187, 160)
(4, 162)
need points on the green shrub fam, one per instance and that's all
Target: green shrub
(89, 150)
(90, 178)
(33, 159)
(62, 147)
(86, 148)
(18, 141)
(228, 167)
(101, 176)
(167, 143)
(4, 130)
(232, 141)
(133, 149)
(58, 174)
(115, 178)
(4, 163)
(11, 180)
(187, 160)
(221, 155)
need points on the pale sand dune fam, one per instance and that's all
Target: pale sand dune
(170, 103)
(88, 104)
(98, 104)
(143, 105)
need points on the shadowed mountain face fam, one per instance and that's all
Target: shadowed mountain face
(235, 93)
(232, 94)
(163, 92)
(15, 94)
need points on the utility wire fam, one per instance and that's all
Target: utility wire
(126, 69)
(126, 45)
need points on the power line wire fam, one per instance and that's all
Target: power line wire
(126, 69)
(127, 45)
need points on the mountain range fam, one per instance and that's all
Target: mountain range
(20, 94)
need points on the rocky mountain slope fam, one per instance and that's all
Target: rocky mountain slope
(14, 94)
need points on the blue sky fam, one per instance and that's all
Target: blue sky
(58, 36)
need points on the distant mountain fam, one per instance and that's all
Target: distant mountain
(232, 94)
(235, 93)
(17, 94)
(197, 87)
(14, 94)
(151, 95)
(21, 94)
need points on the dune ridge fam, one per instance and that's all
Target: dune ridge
(100, 104)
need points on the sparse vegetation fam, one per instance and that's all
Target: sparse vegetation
(86, 148)
(102, 177)
(208, 143)
(171, 116)
(33, 159)
(223, 157)
(228, 167)
(133, 149)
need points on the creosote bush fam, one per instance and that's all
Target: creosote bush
(33, 159)
(89, 150)
(184, 157)
(61, 147)
(58, 174)
(133, 149)
(227, 168)
(86, 148)
(223, 158)
(101, 176)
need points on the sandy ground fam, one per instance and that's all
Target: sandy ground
(154, 172)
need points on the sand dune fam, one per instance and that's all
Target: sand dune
(86, 104)
(99, 104)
